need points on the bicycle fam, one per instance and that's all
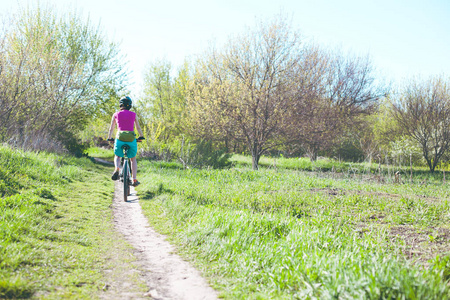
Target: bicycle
(125, 175)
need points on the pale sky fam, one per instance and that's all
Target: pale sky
(403, 38)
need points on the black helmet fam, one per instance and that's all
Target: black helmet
(125, 102)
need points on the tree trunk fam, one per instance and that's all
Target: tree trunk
(255, 161)
(255, 156)
(430, 163)
(427, 158)
(312, 153)
(430, 166)
(410, 168)
(226, 144)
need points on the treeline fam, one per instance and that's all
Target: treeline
(268, 91)
(57, 73)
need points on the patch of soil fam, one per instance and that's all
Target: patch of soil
(419, 245)
(422, 245)
(339, 191)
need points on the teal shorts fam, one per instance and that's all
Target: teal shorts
(119, 151)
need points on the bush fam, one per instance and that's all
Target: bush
(347, 151)
(72, 143)
(202, 154)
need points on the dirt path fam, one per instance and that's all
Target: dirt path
(166, 275)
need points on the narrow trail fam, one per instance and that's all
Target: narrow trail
(166, 274)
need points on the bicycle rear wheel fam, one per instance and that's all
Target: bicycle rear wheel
(126, 181)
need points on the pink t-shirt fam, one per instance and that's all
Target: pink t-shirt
(125, 120)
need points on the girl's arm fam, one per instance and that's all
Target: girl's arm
(136, 122)
(111, 127)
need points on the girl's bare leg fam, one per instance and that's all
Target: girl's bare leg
(117, 162)
(134, 167)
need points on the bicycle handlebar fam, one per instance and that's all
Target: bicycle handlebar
(139, 139)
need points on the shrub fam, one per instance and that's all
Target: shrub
(202, 154)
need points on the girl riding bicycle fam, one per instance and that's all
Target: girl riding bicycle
(125, 121)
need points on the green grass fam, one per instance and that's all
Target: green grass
(292, 163)
(100, 152)
(284, 233)
(349, 169)
(56, 237)
(287, 231)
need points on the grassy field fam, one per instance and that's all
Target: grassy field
(294, 229)
(56, 234)
(282, 232)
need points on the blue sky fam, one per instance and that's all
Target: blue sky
(403, 38)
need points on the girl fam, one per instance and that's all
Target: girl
(125, 120)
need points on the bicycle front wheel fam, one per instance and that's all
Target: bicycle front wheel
(126, 180)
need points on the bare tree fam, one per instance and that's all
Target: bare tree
(243, 91)
(332, 91)
(423, 112)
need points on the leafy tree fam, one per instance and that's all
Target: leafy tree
(157, 88)
(57, 72)
(375, 132)
(423, 112)
(385, 128)
(164, 98)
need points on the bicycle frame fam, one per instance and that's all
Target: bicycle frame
(125, 176)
